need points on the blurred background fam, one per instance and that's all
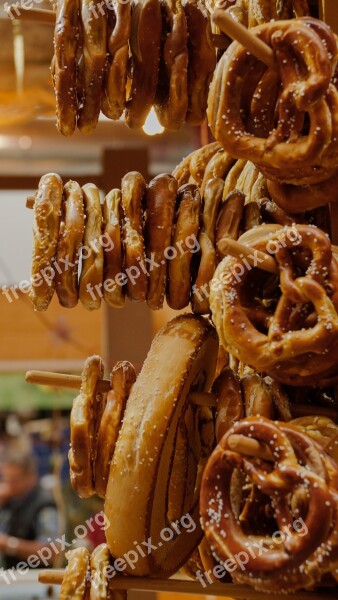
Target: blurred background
(34, 420)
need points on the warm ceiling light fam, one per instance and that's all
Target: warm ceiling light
(152, 125)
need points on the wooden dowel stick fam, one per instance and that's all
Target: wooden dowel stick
(240, 592)
(73, 382)
(241, 34)
(245, 445)
(38, 15)
(255, 258)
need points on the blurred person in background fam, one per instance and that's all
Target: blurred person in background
(28, 514)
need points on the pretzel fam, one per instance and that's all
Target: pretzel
(123, 377)
(229, 403)
(133, 192)
(200, 159)
(83, 426)
(171, 101)
(186, 228)
(200, 290)
(232, 177)
(160, 207)
(68, 249)
(93, 62)
(264, 11)
(47, 210)
(75, 577)
(195, 164)
(202, 59)
(119, 31)
(297, 199)
(218, 167)
(286, 153)
(114, 291)
(142, 461)
(90, 290)
(322, 430)
(145, 45)
(257, 397)
(272, 212)
(229, 219)
(64, 64)
(298, 464)
(251, 216)
(99, 564)
(289, 344)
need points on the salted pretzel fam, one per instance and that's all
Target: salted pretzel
(91, 278)
(142, 461)
(123, 377)
(92, 64)
(257, 398)
(145, 45)
(69, 244)
(287, 152)
(114, 290)
(83, 425)
(322, 430)
(64, 64)
(74, 582)
(229, 219)
(99, 563)
(160, 207)
(186, 228)
(296, 199)
(218, 167)
(200, 159)
(171, 101)
(119, 31)
(202, 59)
(230, 406)
(200, 291)
(296, 339)
(133, 192)
(47, 210)
(297, 464)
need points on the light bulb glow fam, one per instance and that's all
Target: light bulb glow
(152, 125)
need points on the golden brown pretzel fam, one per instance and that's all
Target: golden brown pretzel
(142, 461)
(202, 59)
(47, 210)
(232, 177)
(313, 95)
(145, 42)
(322, 430)
(64, 64)
(74, 581)
(133, 192)
(70, 240)
(206, 268)
(300, 340)
(290, 559)
(114, 290)
(83, 428)
(91, 277)
(218, 166)
(185, 236)
(123, 377)
(229, 219)
(200, 159)
(297, 199)
(119, 30)
(160, 207)
(99, 563)
(92, 68)
(230, 406)
(171, 102)
(257, 397)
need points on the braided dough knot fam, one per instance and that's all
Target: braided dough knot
(284, 121)
(299, 543)
(293, 336)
